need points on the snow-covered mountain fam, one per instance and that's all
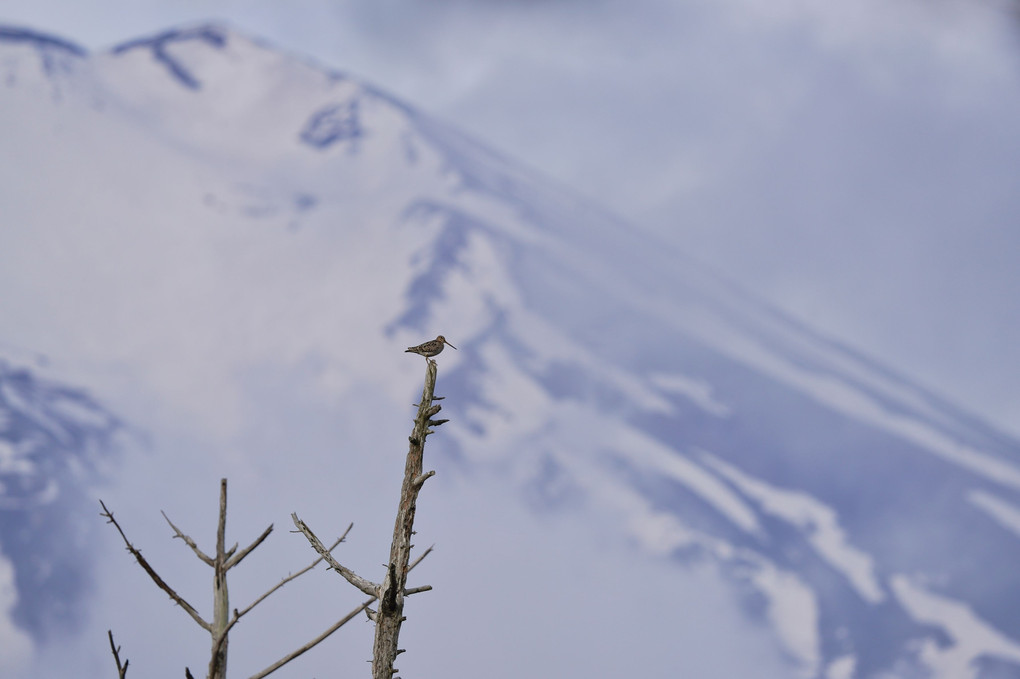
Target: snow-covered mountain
(55, 444)
(198, 226)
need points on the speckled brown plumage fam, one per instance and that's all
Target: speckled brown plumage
(430, 348)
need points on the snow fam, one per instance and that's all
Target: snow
(648, 453)
(793, 610)
(657, 532)
(791, 607)
(38, 40)
(499, 421)
(845, 398)
(244, 87)
(13, 462)
(16, 644)
(697, 391)
(971, 636)
(550, 345)
(223, 284)
(1006, 514)
(819, 523)
(30, 407)
(79, 412)
(841, 668)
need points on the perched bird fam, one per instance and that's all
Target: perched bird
(430, 348)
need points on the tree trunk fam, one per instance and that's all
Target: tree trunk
(391, 597)
(221, 597)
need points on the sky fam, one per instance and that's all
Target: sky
(857, 164)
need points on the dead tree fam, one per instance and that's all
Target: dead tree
(223, 620)
(393, 588)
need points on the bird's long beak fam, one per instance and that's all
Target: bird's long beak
(447, 343)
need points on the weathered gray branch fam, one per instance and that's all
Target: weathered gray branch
(391, 592)
(366, 586)
(178, 599)
(290, 577)
(335, 626)
(314, 642)
(283, 661)
(423, 478)
(223, 560)
(234, 560)
(188, 541)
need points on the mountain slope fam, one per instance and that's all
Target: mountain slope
(190, 208)
(55, 445)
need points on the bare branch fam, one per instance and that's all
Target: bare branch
(423, 478)
(233, 561)
(366, 586)
(187, 540)
(289, 578)
(342, 538)
(152, 573)
(121, 669)
(416, 590)
(314, 642)
(337, 625)
(420, 558)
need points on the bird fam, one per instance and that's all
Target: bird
(430, 348)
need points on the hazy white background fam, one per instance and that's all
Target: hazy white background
(857, 163)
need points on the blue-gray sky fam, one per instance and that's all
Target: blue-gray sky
(856, 163)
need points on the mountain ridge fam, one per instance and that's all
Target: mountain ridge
(593, 362)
